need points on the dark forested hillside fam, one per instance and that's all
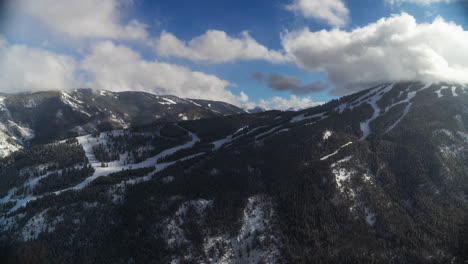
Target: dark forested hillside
(380, 176)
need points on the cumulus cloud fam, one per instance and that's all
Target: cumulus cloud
(392, 49)
(216, 47)
(24, 68)
(119, 68)
(420, 2)
(331, 12)
(108, 66)
(292, 103)
(279, 82)
(83, 18)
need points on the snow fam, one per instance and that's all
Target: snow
(256, 221)
(459, 119)
(407, 100)
(359, 101)
(405, 112)
(454, 91)
(327, 135)
(302, 117)
(116, 166)
(264, 134)
(219, 143)
(30, 104)
(446, 132)
(367, 178)
(365, 126)
(168, 101)
(168, 179)
(439, 92)
(183, 117)
(193, 102)
(348, 158)
(341, 174)
(73, 102)
(34, 227)
(173, 232)
(336, 152)
(3, 108)
(370, 216)
(7, 198)
(38, 224)
(87, 144)
(9, 142)
(6, 146)
(25, 132)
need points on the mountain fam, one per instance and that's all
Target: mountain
(32, 118)
(375, 177)
(256, 109)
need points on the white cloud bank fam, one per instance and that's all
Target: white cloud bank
(420, 2)
(392, 49)
(83, 18)
(110, 67)
(23, 68)
(216, 47)
(331, 12)
(119, 68)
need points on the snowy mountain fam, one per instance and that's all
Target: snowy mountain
(44, 116)
(375, 176)
(256, 109)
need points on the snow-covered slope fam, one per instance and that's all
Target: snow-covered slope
(44, 116)
(373, 176)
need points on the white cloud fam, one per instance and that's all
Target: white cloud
(331, 12)
(83, 18)
(392, 49)
(24, 68)
(280, 103)
(119, 68)
(216, 47)
(420, 2)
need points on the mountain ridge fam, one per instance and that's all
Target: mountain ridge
(84, 111)
(373, 176)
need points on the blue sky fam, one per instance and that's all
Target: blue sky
(285, 54)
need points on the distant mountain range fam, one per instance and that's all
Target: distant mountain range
(380, 176)
(31, 118)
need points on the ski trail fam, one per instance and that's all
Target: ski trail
(365, 126)
(408, 99)
(336, 152)
(87, 146)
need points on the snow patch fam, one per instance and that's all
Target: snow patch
(264, 134)
(303, 117)
(439, 92)
(454, 91)
(326, 135)
(193, 102)
(256, 225)
(183, 117)
(372, 101)
(38, 224)
(371, 217)
(336, 152)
